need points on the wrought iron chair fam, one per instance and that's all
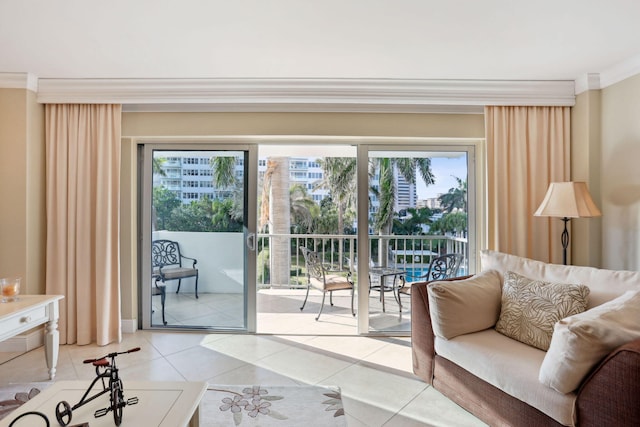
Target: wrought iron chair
(324, 279)
(440, 268)
(162, 291)
(167, 265)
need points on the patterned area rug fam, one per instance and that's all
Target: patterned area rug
(272, 406)
(14, 395)
(223, 405)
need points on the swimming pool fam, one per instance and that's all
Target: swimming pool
(414, 273)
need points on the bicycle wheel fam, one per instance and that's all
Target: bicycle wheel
(117, 401)
(63, 413)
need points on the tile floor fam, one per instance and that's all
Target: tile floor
(278, 312)
(374, 374)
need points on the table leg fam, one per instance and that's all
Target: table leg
(52, 340)
(195, 419)
(382, 285)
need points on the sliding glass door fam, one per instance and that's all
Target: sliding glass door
(377, 211)
(420, 207)
(198, 237)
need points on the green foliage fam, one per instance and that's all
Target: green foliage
(454, 223)
(455, 198)
(195, 216)
(164, 202)
(328, 220)
(263, 273)
(412, 224)
(339, 178)
(156, 165)
(204, 215)
(223, 216)
(303, 209)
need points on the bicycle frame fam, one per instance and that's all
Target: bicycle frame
(105, 370)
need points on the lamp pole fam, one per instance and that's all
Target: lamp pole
(565, 240)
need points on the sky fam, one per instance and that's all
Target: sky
(444, 169)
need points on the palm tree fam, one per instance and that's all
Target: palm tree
(156, 165)
(386, 192)
(303, 208)
(413, 224)
(455, 198)
(276, 216)
(339, 178)
(275, 211)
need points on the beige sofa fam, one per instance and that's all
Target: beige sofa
(457, 349)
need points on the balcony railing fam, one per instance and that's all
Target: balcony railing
(411, 253)
(222, 270)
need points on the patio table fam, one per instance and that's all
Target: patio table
(383, 273)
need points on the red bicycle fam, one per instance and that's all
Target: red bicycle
(107, 373)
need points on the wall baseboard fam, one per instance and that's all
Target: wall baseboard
(129, 326)
(24, 342)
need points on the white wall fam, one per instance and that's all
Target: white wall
(220, 260)
(620, 175)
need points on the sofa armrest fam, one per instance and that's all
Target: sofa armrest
(610, 394)
(422, 337)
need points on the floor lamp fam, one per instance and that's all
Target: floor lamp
(566, 200)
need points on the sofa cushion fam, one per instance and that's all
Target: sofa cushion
(530, 308)
(453, 305)
(510, 366)
(604, 285)
(581, 341)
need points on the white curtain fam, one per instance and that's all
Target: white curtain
(83, 227)
(527, 148)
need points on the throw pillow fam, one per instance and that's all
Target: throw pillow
(464, 306)
(581, 341)
(530, 308)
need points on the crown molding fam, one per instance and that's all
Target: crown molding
(612, 75)
(305, 94)
(587, 82)
(620, 71)
(302, 108)
(19, 81)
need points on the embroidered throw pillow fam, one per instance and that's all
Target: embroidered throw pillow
(530, 308)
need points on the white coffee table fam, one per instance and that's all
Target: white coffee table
(166, 404)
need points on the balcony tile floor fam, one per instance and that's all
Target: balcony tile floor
(279, 312)
(374, 374)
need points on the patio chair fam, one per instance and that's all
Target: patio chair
(440, 268)
(167, 264)
(160, 290)
(325, 279)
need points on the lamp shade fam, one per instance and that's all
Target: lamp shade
(568, 200)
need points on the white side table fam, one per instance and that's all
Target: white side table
(28, 312)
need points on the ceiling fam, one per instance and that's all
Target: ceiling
(336, 39)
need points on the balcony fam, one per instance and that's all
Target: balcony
(221, 282)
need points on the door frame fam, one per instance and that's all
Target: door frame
(145, 179)
(476, 191)
(474, 148)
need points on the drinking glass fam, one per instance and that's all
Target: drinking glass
(10, 288)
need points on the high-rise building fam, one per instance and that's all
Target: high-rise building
(190, 177)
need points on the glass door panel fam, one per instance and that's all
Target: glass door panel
(197, 245)
(418, 210)
(308, 202)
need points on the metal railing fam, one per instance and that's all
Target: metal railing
(411, 253)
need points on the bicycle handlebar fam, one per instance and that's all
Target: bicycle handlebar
(112, 355)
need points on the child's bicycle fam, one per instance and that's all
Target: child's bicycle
(105, 371)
